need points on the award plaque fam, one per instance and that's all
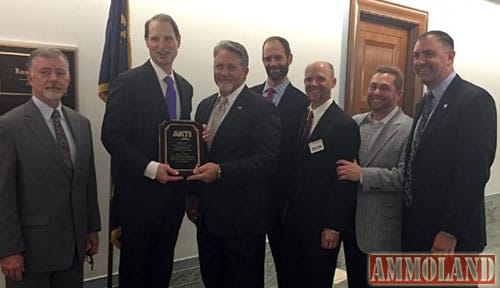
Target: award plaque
(181, 145)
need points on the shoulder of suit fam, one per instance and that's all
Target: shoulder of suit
(75, 114)
(468, 90)
(184, 81)
(258, 88)
(359, 117)
(18, 112)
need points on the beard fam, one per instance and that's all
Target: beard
(277, 73)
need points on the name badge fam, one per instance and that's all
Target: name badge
(316, 146)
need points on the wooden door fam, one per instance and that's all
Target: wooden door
(381, 33)
(377, 45)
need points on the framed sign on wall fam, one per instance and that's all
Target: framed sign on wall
(14, 86)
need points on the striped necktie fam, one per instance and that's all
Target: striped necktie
(417, 138)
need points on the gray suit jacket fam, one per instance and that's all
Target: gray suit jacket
(45, 214)
(378, 210)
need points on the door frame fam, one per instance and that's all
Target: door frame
(412, 20)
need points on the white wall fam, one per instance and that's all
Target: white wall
(316, 29)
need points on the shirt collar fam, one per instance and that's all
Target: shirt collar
(160, 73)
(320, 110)
(279, 89)
(232, 97)
(439, 90)
(383, 120)
(45, 109)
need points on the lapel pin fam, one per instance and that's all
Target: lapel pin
(239, 108)
(445, 106)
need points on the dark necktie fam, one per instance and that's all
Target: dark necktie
(62, 140)
(171, 98)
(424, 117)
(270, 94)
(216, 118)
(307, 128)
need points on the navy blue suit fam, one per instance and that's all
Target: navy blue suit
(149, 212)
(450, 170)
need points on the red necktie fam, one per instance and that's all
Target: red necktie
(307, 127)
(270, 94)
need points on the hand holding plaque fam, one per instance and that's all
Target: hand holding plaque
(181, 145)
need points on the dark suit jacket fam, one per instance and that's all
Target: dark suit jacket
(321, 200)
(135, 109)
(291, 108)
(451, 169)
(45, 213)
(246, 147)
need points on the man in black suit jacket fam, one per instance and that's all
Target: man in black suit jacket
(291, 103)
(150, 209)
(49, 216)
(243, 146)
(446, 175)
(322, 205)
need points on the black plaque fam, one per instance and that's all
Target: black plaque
(14, 87)
(181, 145)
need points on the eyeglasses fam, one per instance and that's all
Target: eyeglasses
(90, 260)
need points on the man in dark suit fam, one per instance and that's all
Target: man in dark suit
(448, 164)
(49, 216)
(243, 138)
(150, 206)
(291, 103)
(384, 131)
(322, 204)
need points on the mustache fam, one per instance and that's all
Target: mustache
(53, 86)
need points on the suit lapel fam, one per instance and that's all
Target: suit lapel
(324, 122)
(35, 121)
(232, 115)
(442, 108)
(78, 132)
(152, 86)
(387, 133)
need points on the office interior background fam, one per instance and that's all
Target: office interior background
(316, 29)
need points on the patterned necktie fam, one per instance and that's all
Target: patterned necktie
(424, 117)
(216, 118)
(62, 140)
(171, 98)
(270, 94)
(307, 128)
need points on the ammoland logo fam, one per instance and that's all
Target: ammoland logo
(431, 269)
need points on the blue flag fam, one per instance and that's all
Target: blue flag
(116, 53)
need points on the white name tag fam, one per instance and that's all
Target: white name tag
(316, 146)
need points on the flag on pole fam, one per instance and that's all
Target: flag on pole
(115, 59)
(116, 53)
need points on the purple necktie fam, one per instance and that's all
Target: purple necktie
(171, 98)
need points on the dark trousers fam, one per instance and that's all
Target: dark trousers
(231, 262)
(147, 250)
(356, 260)
(71, 277)
(308, 265)
(277, 241)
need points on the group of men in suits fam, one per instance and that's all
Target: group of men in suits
(278, 162)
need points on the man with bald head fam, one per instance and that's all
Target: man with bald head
(321, 204)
